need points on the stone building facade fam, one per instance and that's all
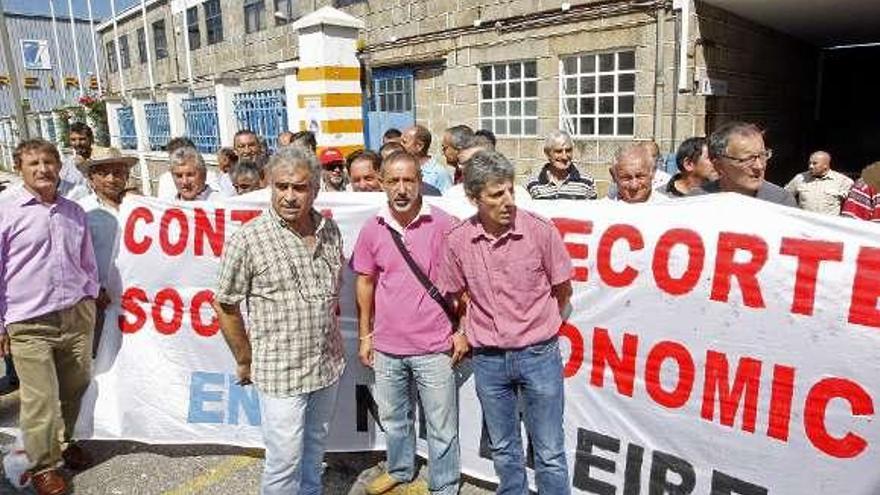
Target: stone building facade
(609, 71)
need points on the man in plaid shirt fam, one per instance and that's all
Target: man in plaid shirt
(286, 266)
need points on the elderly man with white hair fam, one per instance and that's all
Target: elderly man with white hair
(190, 174)
(633, 174)
(559, 178)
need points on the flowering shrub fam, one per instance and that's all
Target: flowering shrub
(93, 111)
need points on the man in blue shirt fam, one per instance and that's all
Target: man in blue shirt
(416, 141)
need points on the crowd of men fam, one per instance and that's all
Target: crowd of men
(430, 290)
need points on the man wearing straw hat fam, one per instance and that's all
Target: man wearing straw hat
(107, 171)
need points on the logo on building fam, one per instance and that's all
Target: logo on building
(35, 54)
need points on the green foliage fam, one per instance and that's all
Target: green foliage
(90, 110)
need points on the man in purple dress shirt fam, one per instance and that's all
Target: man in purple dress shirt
(48, 285)
(515, 269)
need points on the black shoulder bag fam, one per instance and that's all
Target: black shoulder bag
(429, 286)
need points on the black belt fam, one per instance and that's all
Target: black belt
(497, 351)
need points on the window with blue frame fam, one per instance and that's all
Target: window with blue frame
(200, 115)
(393, 94)
(264, 112)
(158, 125)
(127, 132)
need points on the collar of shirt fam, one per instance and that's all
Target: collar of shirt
(827, 176)
(317, 219)
(93, 201)
(573, 174)
(24, 197)
(205, 194)
(386, 217)
(479, 232)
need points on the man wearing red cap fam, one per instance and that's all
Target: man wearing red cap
(333, 170)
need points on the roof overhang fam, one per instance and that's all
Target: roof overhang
(823, 23)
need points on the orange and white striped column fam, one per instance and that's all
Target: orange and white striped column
(327, 85)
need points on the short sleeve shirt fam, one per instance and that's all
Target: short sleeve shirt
(820, 194)
(508, 279)
(407, 321)
(292, 297)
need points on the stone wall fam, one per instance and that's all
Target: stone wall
(770, 76)
(771, 81)
(251, 57)
(447, 91)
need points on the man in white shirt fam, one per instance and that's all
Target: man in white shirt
(189, 172)
(660, 177)
(633, 174)
(72, 183)
(166, 188)
(107, 171)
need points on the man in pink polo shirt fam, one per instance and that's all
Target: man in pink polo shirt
(406, 334)
(515, 270)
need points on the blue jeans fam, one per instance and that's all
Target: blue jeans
(294, 431)
(434, 378)
(535, 372)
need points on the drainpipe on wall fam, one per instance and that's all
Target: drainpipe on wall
(659, 69)
(682, 35)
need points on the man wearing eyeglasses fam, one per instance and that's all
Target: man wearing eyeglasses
(738, 153)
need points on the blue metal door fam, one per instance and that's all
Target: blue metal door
(391, 105)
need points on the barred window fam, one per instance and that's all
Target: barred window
(213, 21)
(509, 98)
(597, 94)
(192, 28)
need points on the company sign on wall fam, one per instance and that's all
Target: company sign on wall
(35, 54)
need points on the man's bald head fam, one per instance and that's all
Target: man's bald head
(633, 172)
(820, 163)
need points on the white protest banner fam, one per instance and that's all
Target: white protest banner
(716, 345)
